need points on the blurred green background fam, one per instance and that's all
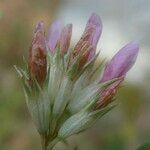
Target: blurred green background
(125, 128)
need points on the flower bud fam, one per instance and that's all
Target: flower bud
(88, 42)
(91, 34)
(95, 23)
(122, 62)
(37, 55)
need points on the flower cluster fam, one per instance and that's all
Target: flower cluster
(65, 91)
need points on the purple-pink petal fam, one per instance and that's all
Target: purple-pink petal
(65, 38)
(54, 35)
(121, 62)
(94, 23)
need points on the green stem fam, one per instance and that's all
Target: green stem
(53, 143)
(50, 148)
(44, 143)
(44, 147)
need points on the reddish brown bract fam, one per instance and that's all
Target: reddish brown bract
(108, 94)
(37, 56)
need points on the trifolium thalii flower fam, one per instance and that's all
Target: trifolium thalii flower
(65, 91)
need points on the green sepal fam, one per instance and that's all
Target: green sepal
(82, 97)
(62, 98)
(97, 73)
(81, 121)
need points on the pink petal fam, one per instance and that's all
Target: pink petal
(65, 38)
(95, 23)
(54, 35)
(121, 62)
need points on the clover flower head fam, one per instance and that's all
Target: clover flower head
(65, 91)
